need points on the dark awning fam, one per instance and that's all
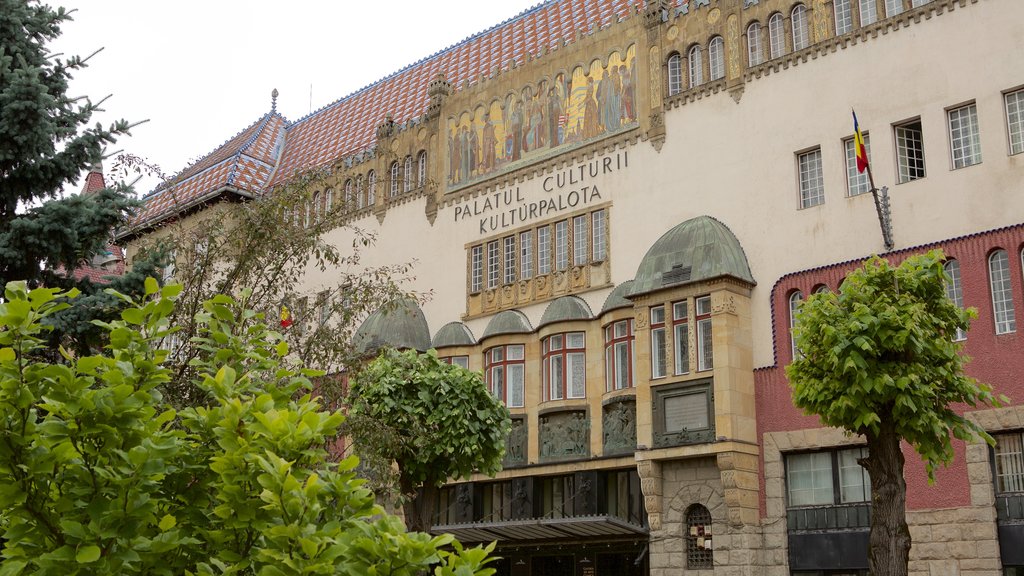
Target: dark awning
(542, 529)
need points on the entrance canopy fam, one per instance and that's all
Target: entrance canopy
(542, 529)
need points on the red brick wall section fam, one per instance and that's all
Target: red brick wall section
(996, 359)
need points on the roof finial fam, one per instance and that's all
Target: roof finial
(273, 100)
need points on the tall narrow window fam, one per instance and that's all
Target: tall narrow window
(526, 254)
(868, 12)
(964, 140)
(705, 352)
(565, 359)
(1015, 120)
(716, 58)
(363, 200)
(562, 245)
(776, 36)
(954, 291)
(844, 16)
(349, 198)
(681, 336)
(580, 249)
(893, 7)
(510, 260)
(544, 250)
(371, 188)
(657, 342)
(395, 178)
(795, 299)
(308, 218)
(421, 169)
(856, 182)
(910, 151)
(476, 267)
(407, 174)
(328, 200)
(675, 74)
(695, 64)
(316, 207)
(699, 538)
(812, 182)
(600, 239)
(801, 33)
(493, 264)
(619, 355)
(505, 370)
(755, 54)
(1009, 453)
(1002, 292)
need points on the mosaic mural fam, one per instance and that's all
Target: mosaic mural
(557, 113)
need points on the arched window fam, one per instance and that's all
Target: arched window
(801, 35)
(407, 185)
(421, 169)
(893, 7)
(776, 36)
(360, 197)
(675, 74)
(954, 291)
(395, 178)
(695, 63)
(821, 289)
(316, 207)
(371, 188)
(698, 533)
(1002, 292)
(755, 54)
(716, 58)
(349, 198)
(308, 214)
(795, 299)
(328, 200)
(844, 16)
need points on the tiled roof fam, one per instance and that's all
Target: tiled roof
(348, 125)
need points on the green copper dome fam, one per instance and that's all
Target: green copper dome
(453, 334)
(566, 308)
(699, 249)
(508, 322)
(617, 299)
(401, 326)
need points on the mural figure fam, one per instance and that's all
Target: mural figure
(591, 120)
(489, 141)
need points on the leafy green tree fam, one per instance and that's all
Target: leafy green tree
(45, 144)
(878, 359)
(434, 420)
(98, 475)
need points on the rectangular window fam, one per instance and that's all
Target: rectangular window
(493, 264)
(829, 477)
(844, 16)
(868, 12)
(510, 259)
(600, 240)
(619, 356)
(323, 305)
(909, 151)
(562, 245)
(1015, 120)
(705, 356)
(1009, 453)
(526, 255)
(505, 370)
(856, 182)
(462, 361)
(681, 337)
(580, 250)
(565, 374)
(893, 7)
(812, 182)
(657, 342)
(964, 139)
(544, 250)
(476, 266)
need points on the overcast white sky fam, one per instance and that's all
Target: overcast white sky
(201, 71)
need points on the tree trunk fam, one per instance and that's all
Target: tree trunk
(419, 505)
(889, 545)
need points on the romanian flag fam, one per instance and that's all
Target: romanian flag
(286, 317)
(858, 144)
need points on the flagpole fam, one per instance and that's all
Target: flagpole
(881, 203)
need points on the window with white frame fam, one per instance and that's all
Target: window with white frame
(1009, 455)
(493, 264)
(829, 477)
(544, 250)
(1002, 292)
(893, 7)
(395, 178)
(776, 36)
(526, 254)
(681, 336)
(580, 240)
(695, 65)
(421, 168)
(716, 58)
(1015, 120)
(795, 300)
(909, 151)
(954, 291)
(918, 3)
(510, 260)
(856, 182)
(705, 352)
(476, 269)
(565, 366)
(844, 16)
(505, 371)
(407, 173)
(868, 12)
(755, 53)
(462, 361)
(599, 239)
(812, 181)
(371, 188)
(675, 74)
(801, 32)
(619, 355)
(658, 342)
(964, 139)
(561, 245)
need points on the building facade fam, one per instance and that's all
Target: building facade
(619, 206)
